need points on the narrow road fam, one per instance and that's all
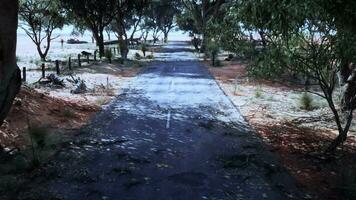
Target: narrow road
(172, 135)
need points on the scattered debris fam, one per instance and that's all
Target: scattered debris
(81, 88)
(52, 80)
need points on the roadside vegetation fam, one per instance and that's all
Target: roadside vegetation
(290, 66)
(287, 63)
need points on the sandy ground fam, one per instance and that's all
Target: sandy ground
(298, 136)
(103, 81)
(270, 103)
(38, 109)
(57, 108)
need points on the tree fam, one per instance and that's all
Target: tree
(40, 18)
(151, 21)
(200, 12)
(10, 75)
(163, 15)
(310, 38)
(95, 14)
(128, 17)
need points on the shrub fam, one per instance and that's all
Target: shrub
(258, 92)
(38, 136)
(136, 64)
(68, 113)
(306, 102)
(138, 56)
(102, 101)
(108, 55)
(120, 60)
(150, 57)
(213, 50)
(144, 49)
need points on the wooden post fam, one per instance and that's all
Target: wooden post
(57, 67)
(95, 55)
(43, 70)
(79, 62)
(70, 63)
(24, 74)
(88, 58)
(114, 51)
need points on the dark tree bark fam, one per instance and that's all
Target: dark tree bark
(10, 75)
(98, 33)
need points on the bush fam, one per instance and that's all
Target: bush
(68, 113)
(265, 66)
(306, 102)
(213, 50)
(258, 92)
(108, 55)
(120, 60)
(230, 57)
(150, 57)
(138, 56)
(38, 136)
(144, 49)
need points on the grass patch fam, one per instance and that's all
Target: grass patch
(68, 113)
(102, 101)
(42, 144)
(258, 93)
(138, 56)
(306, 102)
(150, 57)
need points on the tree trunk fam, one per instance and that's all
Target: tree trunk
(99, 38)
(10, 75)
(39, 50)
(203, 44)
(165, 37)
(341, 138)
(124, 49)
(263, 39)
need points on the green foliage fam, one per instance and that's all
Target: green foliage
(144, 49)
(92, 14)
(120, 60)
(138, 56)
(229, 33)
(271, 63)
(108, 55)
(213, 50)
(186, 22)
(258, 93)
(40, 19)
(306, 102)
(68, 113)
(150, 57)
(37, 136)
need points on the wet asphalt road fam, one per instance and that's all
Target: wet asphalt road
(172, 135)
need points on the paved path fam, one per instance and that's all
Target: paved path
(172, 134)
